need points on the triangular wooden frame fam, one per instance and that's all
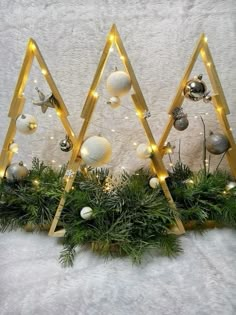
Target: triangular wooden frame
(89, 106)
(218, 99)
(18, 101)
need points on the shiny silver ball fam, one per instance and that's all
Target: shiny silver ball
(181, 123)
(66, 144)
(16, 172)
(195, 89)
(217, 143)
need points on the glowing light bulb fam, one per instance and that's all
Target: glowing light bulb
(135, 143)
(49, 115)
(36, 182)
(35, 81)
(113, 130)
(33, 47)
(95, 94)
(122, 58)
(196, 117)
(205, 39)
(153, 147)
(44, 71)
(51, 137)
(162, 178)
(126, 117)
(111, 37)
(111, 49)
(53, 161)
(58, 113)
(206, 114)
(208, 64)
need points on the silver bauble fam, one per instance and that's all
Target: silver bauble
(181, 124)
(195, 89)
(217, 143)
(66, 144)
(16, 172)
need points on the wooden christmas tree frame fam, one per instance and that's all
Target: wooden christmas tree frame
(18, 102)
(218, 99)
(88, 109)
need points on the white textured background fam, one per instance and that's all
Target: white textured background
(159, 37)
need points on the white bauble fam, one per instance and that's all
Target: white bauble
(26, 124)
(114, 102)
(118, 83)
(154, 182)
(143, 151)
(86, 213)
(96, 151)
(230, 185)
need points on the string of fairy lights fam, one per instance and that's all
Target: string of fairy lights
(114, 131)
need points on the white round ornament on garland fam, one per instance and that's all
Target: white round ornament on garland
(154, 182)
(96, 151)
(217, 143)
(26, 124)
(230, 185)
(86, 213)
(16, 172)
(144, 151)
(118, 83)
(114, 102)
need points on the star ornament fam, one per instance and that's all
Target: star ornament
(45, 101)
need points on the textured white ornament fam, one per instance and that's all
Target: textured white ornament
(154, 182)
(118, 83)
(230, 185)
(96, 151)
(143, 151)
(86, 213)
(114, 102)
(26, 124)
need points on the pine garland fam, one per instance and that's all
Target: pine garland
(129, 217)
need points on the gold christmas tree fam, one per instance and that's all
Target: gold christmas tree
(217, 98)
(141, 108)
(18, 101)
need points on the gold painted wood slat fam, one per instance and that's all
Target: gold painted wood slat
(218, 99)
(87, 111)
(17, 104)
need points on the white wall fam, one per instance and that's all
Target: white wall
(159, 37)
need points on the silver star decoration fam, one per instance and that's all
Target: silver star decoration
(70, 173)
(45, 101)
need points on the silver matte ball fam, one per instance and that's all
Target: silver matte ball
(181, 124)
(16, 172)
(217, 143)
(195, 89)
